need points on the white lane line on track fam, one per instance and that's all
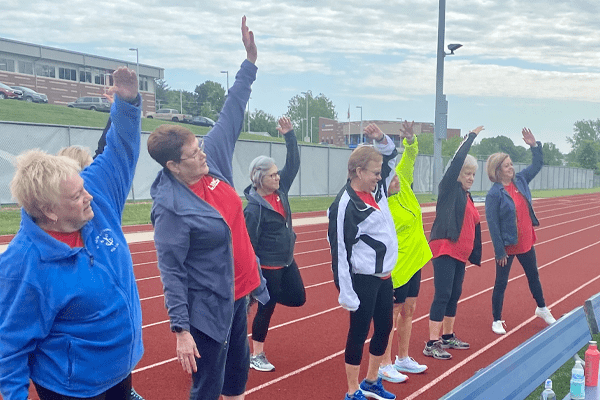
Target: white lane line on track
(447, 373)
(492, 344)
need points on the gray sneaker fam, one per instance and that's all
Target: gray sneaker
(260, 363)
(455, 343)
(436, 351)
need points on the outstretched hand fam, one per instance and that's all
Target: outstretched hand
(248, 40)
(125, 84)
(478, 129)
(528, 137)
(406, 130)
(373, 132)
(285, 125)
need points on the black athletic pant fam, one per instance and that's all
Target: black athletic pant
(121, 391)
(448, 277)
(529, 263)
(376, 297)
(286, 288)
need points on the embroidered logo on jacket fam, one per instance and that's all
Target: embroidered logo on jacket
(213, 184)
(105, 238)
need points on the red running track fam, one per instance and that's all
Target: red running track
(307, 344)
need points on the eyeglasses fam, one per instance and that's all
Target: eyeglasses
(196, 152)
(376, 173)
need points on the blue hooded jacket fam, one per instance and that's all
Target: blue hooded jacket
(70, 318)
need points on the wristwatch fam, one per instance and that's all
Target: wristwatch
(176, 329)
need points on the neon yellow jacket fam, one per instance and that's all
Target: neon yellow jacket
(413, 249)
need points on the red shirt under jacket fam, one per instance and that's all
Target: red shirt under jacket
(463, 247)
(525, 232)
(226, 201)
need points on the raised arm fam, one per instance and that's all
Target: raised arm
(386, 147)
(456, 164)
(406, 166)
(537, 157)
(111, 175)
(220, 141)
(292, 161)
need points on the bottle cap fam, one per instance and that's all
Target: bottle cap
(548, 384)
(592, 342)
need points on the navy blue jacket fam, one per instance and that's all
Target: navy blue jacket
(500, 208)
(193, 241)
(272, 235)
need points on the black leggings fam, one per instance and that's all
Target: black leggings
(448, 277)
(529, 263)
(121, 391)
(286, 288)
(376, 297)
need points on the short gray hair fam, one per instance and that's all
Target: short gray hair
(470, 162)
(259, 168)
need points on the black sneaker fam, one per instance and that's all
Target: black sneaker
(455, 343)
(436, 351)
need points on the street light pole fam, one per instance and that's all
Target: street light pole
(227, 88)
(361, 124)
(311, 130)
(249, 114)
(137, 61)
(306, 93)
(441, 104)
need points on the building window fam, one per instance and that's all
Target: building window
(45, 70)
(68, 74)
(26, 67)
(7, 65)
(143, 81)
(85, 75)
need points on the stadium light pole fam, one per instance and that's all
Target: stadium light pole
(227, 88)
(361, 123)
(441, 104)
(311, 129)
(137, 62)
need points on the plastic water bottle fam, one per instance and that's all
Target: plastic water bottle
(577, 381)
(548, 393)
(592, 359)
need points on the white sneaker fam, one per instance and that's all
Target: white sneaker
(409, 365)
(389, 373)
(498, 328)
(545, 314)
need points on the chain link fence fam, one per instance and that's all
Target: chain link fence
(323, 170)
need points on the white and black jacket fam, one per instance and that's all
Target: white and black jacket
(362, 238)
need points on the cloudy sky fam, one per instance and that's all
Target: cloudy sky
(533, 63)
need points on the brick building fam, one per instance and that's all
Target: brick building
(347, 134)
(65, 75)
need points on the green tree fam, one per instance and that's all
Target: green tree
(261, 121)
(584, 131)
(587, 156)
(319, 106)
(162, 96)
(552, 155)
(210, 97)
(502, 144)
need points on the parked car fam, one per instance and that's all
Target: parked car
(30, 95)
(91, 103)
(169, 114)
(6, 92)
(202, 121)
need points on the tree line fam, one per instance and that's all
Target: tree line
(208, 98)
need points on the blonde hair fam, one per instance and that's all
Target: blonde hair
(37, 180)
(493, 166)
(360, 158)
(78, 153)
